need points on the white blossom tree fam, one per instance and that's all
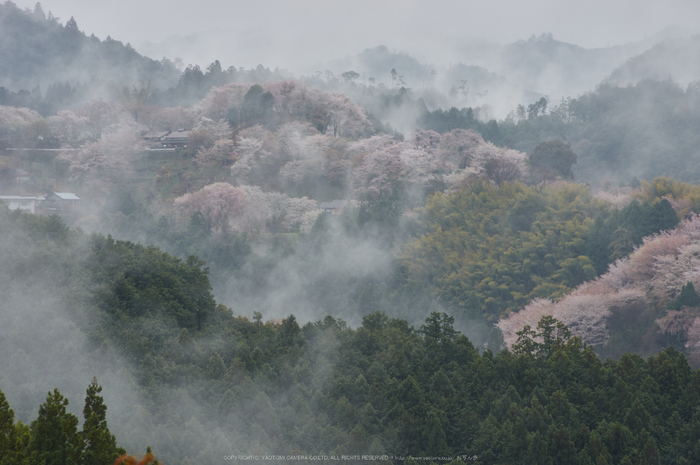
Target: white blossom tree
(68, 126)
(219, 203)
(109, 160)
(219, 154)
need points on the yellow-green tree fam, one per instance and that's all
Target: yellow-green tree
(490, 250)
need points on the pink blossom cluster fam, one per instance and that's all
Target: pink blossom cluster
(219, 203)
(652, 275)
(335, 114)
(14, 119)
(109, 159)
(246, 209)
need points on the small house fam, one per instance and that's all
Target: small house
(155, 136)
(176, 139)
(59, 201)
(23, 203)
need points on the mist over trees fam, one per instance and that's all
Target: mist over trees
(383, 257)
(246, 386)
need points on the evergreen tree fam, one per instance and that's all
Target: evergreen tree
(554, 156)
(99, 445)
(7, 427)
(54, 435)
(687, 298)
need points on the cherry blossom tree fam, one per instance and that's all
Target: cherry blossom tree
(260, 158)
(672, 271)
(652, 275)
(618, 276)
(22, 125)
(455, 148)
(499, 165)
(294, 157)
(619, 197)
(642, 261)
(288, 214)
(219, 154)
(276, 211)
(219, 203)
(378, 173)
(693, 335)
(585, 311)
(331, 114)
(12, 119)
(168, 119)
(504, 168)
(678, 323)
(216, 129)
(254, 217)
(100, 115)
(307, 157)
(375, 143)
(427, 140)
(109, 159)
(68, 126)
(420, 167)
(220, 99)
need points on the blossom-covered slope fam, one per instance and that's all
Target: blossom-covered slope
(638, 290)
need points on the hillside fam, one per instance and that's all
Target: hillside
(197, 381)
(37, 50)
(645, 301)
(544, 65)
(674, 59)
(336, 266)
(643, 131)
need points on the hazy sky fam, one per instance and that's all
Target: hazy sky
(283, 32)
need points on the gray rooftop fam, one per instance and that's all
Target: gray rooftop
(66, 196)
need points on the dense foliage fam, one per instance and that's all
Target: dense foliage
(53, 438)
(643, 130)
(324, 388)
(489, 251)
(640, 131)
(447, 120)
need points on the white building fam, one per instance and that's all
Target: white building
(24, 203)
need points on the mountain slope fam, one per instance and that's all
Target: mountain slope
(36, 50)
(638, 306)
(677, 59)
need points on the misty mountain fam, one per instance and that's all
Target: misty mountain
(438, 85)
(677, 59)
(551, 67)
(645, 130)
(378, 62)
(500, 76)
(37, 50)
(546, 66)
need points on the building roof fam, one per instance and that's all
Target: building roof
(156, 135)
(20, 197)
(177, 135)
(66, 196)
